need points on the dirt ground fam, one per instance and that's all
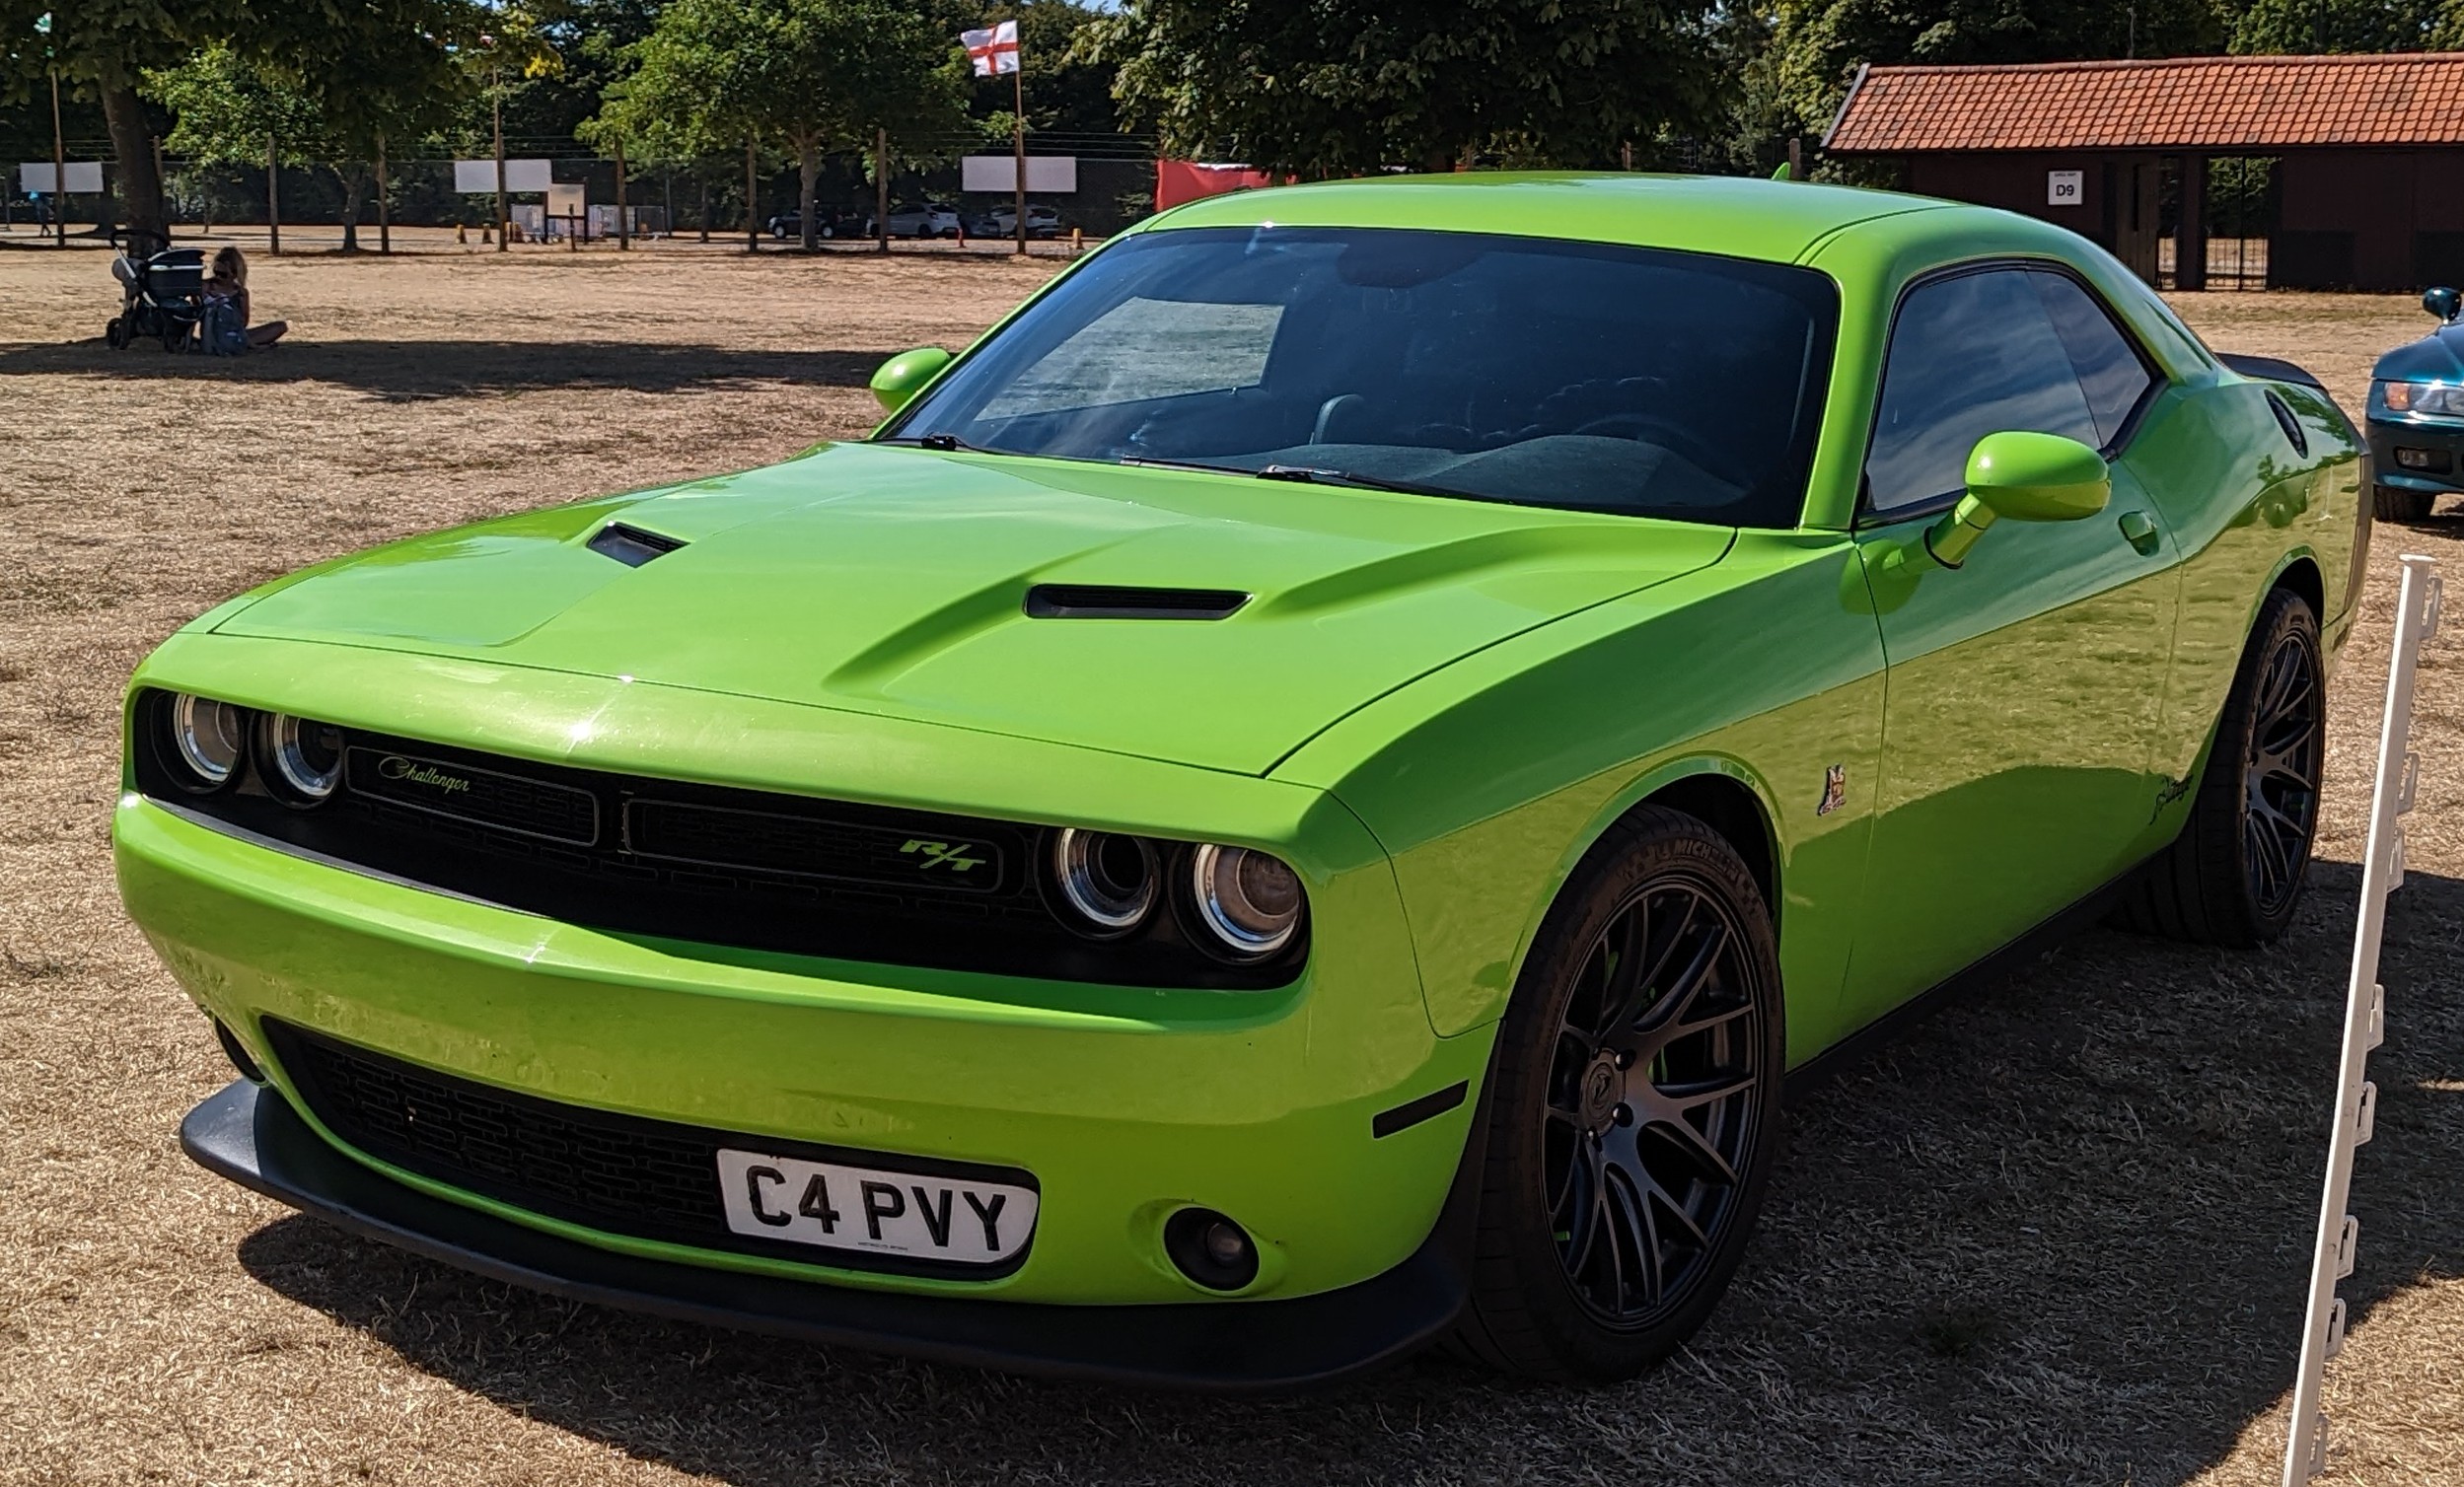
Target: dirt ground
(2057, 1233)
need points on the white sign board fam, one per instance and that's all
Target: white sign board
(85, 176)
(2063, 187)
(1047, 174)
(477, 178)
(565, 200)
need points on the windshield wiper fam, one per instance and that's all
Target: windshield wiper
(946, 443)
(1312, 474)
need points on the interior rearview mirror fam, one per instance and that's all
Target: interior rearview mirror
(904, 375)
(2025, 477)
(2443, 302)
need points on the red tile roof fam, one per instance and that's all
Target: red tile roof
(2194, 102)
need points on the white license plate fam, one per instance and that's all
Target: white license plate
(834, 1207)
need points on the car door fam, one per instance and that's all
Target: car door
(2024, 689)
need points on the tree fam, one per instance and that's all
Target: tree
(103, 49)
(1824, 41)
(809, 75)
(340, 114)
(2275, 27)
(1321, 87)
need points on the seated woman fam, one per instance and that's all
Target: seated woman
(231, 277)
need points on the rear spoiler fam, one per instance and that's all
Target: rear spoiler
(2269, 368)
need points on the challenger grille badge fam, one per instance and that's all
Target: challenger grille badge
(942, 854)
(1834, 789)
(396, 767)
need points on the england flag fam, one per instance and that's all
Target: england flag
(993, 51)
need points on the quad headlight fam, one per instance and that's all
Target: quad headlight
(1236, 904)
(1109, 879)
(203, 739)
(300, 761)
(1248, 902)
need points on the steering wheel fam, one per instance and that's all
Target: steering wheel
(1652, 428)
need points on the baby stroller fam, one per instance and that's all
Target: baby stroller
(162, 289)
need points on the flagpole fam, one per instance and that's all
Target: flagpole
(1018, 139)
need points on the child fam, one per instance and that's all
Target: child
(230, 279)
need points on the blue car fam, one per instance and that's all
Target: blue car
(2416, 416)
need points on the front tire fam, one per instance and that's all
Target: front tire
(2235, 874)
(1634, 1110)
(2394, 503)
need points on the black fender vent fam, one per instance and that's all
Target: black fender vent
(1106, 601)
(632, 546)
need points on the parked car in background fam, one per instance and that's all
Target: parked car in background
(1002, 222)
(2416, 416)
(829, 222)
(931, 219)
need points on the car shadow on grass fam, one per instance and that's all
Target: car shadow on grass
(416, 371)
(2057, 1233)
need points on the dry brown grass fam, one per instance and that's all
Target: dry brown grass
(2057, 1235)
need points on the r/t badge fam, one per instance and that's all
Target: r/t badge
(1834, 789)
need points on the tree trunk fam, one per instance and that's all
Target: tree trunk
(809, 175)
(354, 189)
(704, 176)
(132, 150)
(753, 220)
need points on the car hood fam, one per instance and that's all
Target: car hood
(894, 581)
(2435, 357)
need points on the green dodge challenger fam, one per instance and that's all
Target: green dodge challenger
(1303, 797)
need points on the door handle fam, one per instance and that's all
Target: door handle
(2139, 528)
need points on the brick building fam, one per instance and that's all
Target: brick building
(2367, 190)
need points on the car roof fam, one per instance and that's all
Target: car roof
(1742, 217)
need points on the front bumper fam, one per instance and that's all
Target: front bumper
(249, 1134)
(1125, 1104)
(2440, 441)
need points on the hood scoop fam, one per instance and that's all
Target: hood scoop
(1106, 601)
(632, 546)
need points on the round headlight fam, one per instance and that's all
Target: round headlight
(1106, 878)
(302, 761)
(1248, 901)
(206, 738)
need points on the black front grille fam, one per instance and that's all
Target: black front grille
(652, 1180)
(674, 861)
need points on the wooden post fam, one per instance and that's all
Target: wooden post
(1018, 142)
(752, 224)
(503, 215)
(702, 175)
(881, 187)
(59, 168)
(273, 201)
(624, 232)
(385, 217)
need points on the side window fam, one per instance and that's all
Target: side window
(1970, 355)
(2110, 372)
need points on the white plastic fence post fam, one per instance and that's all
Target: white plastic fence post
(2365, 1018)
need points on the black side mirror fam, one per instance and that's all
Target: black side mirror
(2443, 302)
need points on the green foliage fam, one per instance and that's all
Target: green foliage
(2279, 27)
(1341, 86)
(806, 74)
(230, 110)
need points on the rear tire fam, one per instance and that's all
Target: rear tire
(1634, 1116)
(116, 335)
(2394, 503)
(2234, 876)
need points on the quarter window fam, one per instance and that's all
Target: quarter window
(1980, 353)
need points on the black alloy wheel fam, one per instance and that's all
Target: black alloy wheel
(2235, 874)
(1652, 1101)
(2280, 772)
(1634, 1109)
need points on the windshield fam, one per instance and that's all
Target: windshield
(1523, 370)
